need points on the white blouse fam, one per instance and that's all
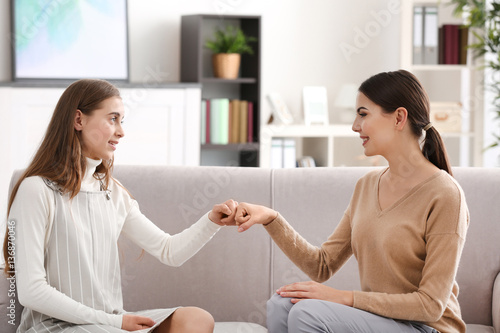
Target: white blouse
(53, 287)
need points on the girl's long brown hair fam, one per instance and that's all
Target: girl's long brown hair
(391, 90)
(59, 157)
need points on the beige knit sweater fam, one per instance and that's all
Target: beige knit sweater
(407, 254)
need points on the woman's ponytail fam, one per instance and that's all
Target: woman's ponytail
(435, 151)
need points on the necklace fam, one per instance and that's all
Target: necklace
(108, 196)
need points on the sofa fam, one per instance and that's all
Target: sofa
(234, 274)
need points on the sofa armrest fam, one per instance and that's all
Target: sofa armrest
(496, 304)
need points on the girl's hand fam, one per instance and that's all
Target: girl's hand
(249, 214)
(134, 323)
(224, 213)
(314, 290)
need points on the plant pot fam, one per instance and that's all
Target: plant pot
(226, 65)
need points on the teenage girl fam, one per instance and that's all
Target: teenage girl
(68, 212)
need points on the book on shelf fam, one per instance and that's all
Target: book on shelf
(250, 122)
(235, 120)
(450, 40)
(430, 47)
(276, 153)
(205, 121)
(453, 40)
(227, 121)
(283, 153)
(463, 42)
(243, 126)
(417, 35)
(289, 154)
(425, 35)
(219, 121)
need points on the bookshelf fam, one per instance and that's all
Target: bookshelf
(329, 145)
(457, 84)
(196, 66)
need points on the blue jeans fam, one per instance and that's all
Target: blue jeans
(313, 315)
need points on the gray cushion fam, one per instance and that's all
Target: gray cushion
(238, 327)
(471, 328)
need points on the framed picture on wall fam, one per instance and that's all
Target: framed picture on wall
(70, 39)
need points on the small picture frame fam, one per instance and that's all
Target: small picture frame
(279, 108)
(315, 105)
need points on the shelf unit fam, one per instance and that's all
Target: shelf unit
(448, 83)
(196, 66)
(329, 145)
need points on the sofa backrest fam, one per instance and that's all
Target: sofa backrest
(229, 277)
(234, 274)
(480, 263)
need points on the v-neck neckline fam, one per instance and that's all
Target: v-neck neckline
(403, 197)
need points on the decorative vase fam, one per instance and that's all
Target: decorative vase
(226, 65)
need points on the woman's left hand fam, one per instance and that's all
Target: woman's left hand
(224, 213)
(314, 290)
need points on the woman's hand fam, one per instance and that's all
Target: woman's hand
(314, 290)
(224, 213)
(134, 323)
(249, 214)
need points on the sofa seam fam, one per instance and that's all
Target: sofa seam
(271, 247)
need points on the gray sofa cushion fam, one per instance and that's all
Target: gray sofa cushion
(238, 327)
(480, 329)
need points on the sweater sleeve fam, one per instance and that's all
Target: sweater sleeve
(172, 250)
(447, 224)
(30, 215)
(318, 263)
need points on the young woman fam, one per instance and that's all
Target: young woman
(405, 224)
(68, 212)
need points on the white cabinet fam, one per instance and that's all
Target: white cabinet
(162, 126)
(332, 145)
(460, 84)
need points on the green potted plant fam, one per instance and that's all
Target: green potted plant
(227, 46)
(484, 21)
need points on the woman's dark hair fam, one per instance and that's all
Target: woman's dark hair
(392, 90)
